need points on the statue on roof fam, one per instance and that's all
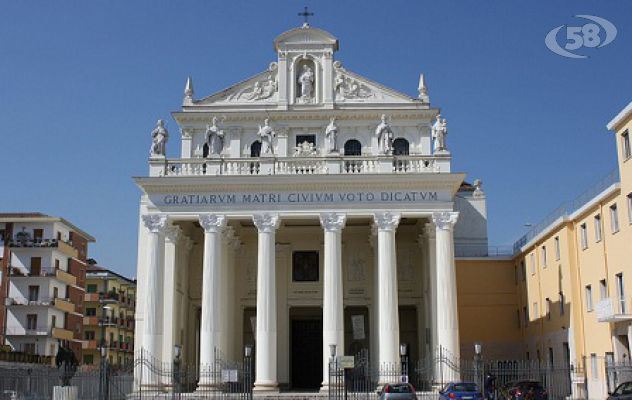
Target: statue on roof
(266, 134)
(331, 136)
(439, 132)
(384, 135)
(306, 80)
(214, 139)
(159, 137)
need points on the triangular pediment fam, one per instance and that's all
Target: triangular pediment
(261, 88)
(305, 37)
(350, 87)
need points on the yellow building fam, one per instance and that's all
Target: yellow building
(110, 301)
(574, 277)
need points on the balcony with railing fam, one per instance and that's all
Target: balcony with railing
(613, 310)
(27, 242)
(301, 165)
(57, 302)
(59, 274)
(19, 330)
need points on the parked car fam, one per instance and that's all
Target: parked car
(523, 390)
(460, 390)
(623, 391)
(398, 391)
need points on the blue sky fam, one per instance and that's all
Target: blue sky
(82, 84)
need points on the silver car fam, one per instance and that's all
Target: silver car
(398, 391)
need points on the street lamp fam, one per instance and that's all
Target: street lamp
(403, 354)
(177, 352)
(478, 358)
(103, 389)
(248, 367)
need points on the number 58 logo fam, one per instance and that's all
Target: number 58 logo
(581, 36)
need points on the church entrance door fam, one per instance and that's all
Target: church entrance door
(306, 356)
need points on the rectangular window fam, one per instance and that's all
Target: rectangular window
(33, 293)
(620, 292)
(38, 234)
(544, 256)
(56, 264)
(557, 248)
(614, 219)
(31, 321)
(625, 145)
(536, 311)
(603, 289)
(550, 355)
(300, 139)
(92, 288)
(583, 236)
(548, 308)
(629, 197)
(532, 262)
(305, 266)
(89, 335)
(589, 301)
(36, 266)
(523, 270)
(53, 321)
(597, 228)
(91, 312)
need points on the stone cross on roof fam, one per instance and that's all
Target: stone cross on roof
(305, 14)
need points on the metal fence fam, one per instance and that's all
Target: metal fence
(430, 374)
(145, 378)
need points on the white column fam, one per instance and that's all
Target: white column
(266, 338)
(446, 306)
(155, 224)
(431, 243)
(333, 309)
(173, 234)
(210, 324)
(388, 310)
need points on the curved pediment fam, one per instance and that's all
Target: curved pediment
(303, 37)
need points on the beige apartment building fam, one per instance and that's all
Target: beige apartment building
(574, 277)
(110, 302)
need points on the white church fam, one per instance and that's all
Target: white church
(309, 207)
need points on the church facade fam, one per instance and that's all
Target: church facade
(309, 207)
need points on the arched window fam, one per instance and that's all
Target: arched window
(255, 149)
(400, 147)
(353, 148)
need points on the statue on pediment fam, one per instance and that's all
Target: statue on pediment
(439, 132)
(306, 80)
(331, 136)
(159, 137)
(384, 135)
(214, 138)
(266, 134)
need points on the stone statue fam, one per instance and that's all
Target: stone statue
(306, 80)
(439, 132)
(331, 136)
(214, 138)
(384, 135)
(267, 136)
(66, 362)
(159, 137)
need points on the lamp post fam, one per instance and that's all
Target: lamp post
(248, 369)
(403, 355)
(478, 358)
(103, 384)
(175, 379)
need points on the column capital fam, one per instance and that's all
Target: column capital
(445, 219)
(155, 223)
(266, 222)
(173, 233)
(212, 223)
(386, 221)
(332, 222)
(430, 230)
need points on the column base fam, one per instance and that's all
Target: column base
(266, 387)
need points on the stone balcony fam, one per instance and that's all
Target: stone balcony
(304, 165)
(612, 310)
(62, 304)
